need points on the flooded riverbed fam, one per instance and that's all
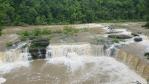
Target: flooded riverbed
(78, 70)
(69, 63)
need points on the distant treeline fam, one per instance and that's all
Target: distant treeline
(19, 12)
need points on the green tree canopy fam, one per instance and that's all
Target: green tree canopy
(147, 12)
(16, 12)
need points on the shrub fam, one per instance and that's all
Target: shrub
(114, 40)
(0, 30)
(45, 31)
(70, 31)
(147, 55)
(100, 41)
(24, 35)
(147, 25)
(36, 33)
(9, 44)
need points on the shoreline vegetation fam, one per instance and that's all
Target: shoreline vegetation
(47, 33)
(37, 12)
(54, 12)
(103, 21)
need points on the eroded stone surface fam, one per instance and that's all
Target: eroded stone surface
(38, 48)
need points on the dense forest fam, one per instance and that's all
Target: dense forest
(147, 12)
(33, 12)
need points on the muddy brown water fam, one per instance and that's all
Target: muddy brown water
(68, 64)
(94, 70)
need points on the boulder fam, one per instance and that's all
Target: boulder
(138, 39)
(120, 36)
(38, 48)
(146, 55)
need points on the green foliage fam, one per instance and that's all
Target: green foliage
(70, 31)
(100, 41)
(147, 13)
(35, 33)
(0, 31)
(45, 31)
(147, 25)
(24, 35)
(20, 12)
(115, 40)
(146, 55)
(9, 44)
(41, 33)
(1, 28)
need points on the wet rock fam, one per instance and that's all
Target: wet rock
(147, 55)
(38, 53)
(138, 39)
(121, 36)
(112, 52)
(38, 48)
(134, 34)
(112, 32)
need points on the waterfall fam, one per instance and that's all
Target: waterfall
(89, 62)
(65, 50)
(79, 62)
(14, 57)
(16, 53)
(78, 49)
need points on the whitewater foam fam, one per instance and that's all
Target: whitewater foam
(116, 72)
(15, 57)
(99, 69)
(8, 67)
(2, 80)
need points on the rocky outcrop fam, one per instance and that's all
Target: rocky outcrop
(38, 48)
(134, 34)
(121, 36)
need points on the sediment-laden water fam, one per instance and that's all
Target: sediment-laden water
(79, 63)
(68, 64)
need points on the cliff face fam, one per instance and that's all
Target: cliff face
(135, 62)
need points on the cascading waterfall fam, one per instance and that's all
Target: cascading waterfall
(65, 50)
(76, 63)
(18, 53)
(85, 49)
(95, 68)
(79, 63)
(16, 56)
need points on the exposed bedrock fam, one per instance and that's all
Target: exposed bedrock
(135, 34)
(38, 48)
(120, 36)
(129, 55)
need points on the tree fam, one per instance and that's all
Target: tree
(147, 13)
(3, 9)
(16, 12)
